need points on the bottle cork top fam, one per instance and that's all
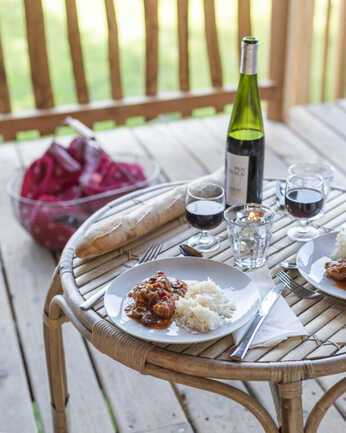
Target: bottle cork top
(249, 48)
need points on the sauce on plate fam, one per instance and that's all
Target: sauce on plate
(340, 284)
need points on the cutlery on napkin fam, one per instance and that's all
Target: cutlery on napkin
(279, 324)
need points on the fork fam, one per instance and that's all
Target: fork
(150, 253)
(296, 288)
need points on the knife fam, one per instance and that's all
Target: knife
(265, 306)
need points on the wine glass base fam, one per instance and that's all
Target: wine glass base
(303, 234)
(204, 244)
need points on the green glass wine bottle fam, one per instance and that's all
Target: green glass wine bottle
(245, 137)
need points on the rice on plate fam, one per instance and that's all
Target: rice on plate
(204, 306)
(340, 252)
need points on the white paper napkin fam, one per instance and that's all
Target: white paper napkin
(281, 321)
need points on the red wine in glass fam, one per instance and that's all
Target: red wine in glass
(204, 214)
(303, 202)
(304, 199)
(204, 207)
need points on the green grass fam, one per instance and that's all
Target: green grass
(37, 418)
(131, 29)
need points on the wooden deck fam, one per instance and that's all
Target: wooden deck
(105, 394)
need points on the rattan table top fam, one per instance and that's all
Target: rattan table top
(323, 352)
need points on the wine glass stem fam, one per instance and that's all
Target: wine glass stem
(204, 235)
(304, 222)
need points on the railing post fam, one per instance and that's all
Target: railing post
(278, 56)
(290, 55)
(340, 59)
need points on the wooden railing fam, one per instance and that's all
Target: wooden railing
(290, 59)
(300, 42)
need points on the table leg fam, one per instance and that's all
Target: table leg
(291, 407)
(55, 359)
(274, 388)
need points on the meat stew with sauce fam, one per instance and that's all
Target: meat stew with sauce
(152, 301)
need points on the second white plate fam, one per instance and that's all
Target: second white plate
(311, 259)
(235, 284)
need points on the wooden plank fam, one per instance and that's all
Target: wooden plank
(300, 28)
(39, 68)
(244, 22)
(199, 142)
(25, 255)
(151, 46)
(341, 103)
(325, 55)
(16, 412)
(317, 135)
(140, 403)
(175, 162)
(261, 391)
(5, 103)
(113, 51)
(278, 58)
(327, 382)
(74, 39)
(215, 66)
(211, 412)
(291, 148)
(332, 421)
(183, 49)
(331, 114)
(128, 107)
(339, 80)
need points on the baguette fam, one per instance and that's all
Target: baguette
(116, 231)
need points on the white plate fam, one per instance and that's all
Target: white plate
(311, 259)
(235, 284)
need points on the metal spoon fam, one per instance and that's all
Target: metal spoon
(186, 250)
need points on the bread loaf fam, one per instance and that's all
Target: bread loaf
(116, 231)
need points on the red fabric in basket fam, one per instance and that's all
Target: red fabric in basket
(64, 174)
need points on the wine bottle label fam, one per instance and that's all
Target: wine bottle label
(237, 170)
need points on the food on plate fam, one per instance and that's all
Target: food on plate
(195, 305)
(204, 306)
(152, 301)
(336, 270)
(117, 230)
(340, 252)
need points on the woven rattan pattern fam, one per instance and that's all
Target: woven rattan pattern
(324, 318)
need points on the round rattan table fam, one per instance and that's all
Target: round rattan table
(201, 365)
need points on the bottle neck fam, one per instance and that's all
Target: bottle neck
(246, 113)
(248, 62)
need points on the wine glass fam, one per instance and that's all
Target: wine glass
(204, 206)
(304, 199)
(322, 168)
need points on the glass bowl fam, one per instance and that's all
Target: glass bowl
(52, 223)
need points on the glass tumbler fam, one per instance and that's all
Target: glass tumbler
(249, 229)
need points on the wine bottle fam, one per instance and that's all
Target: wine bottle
(245, 137)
